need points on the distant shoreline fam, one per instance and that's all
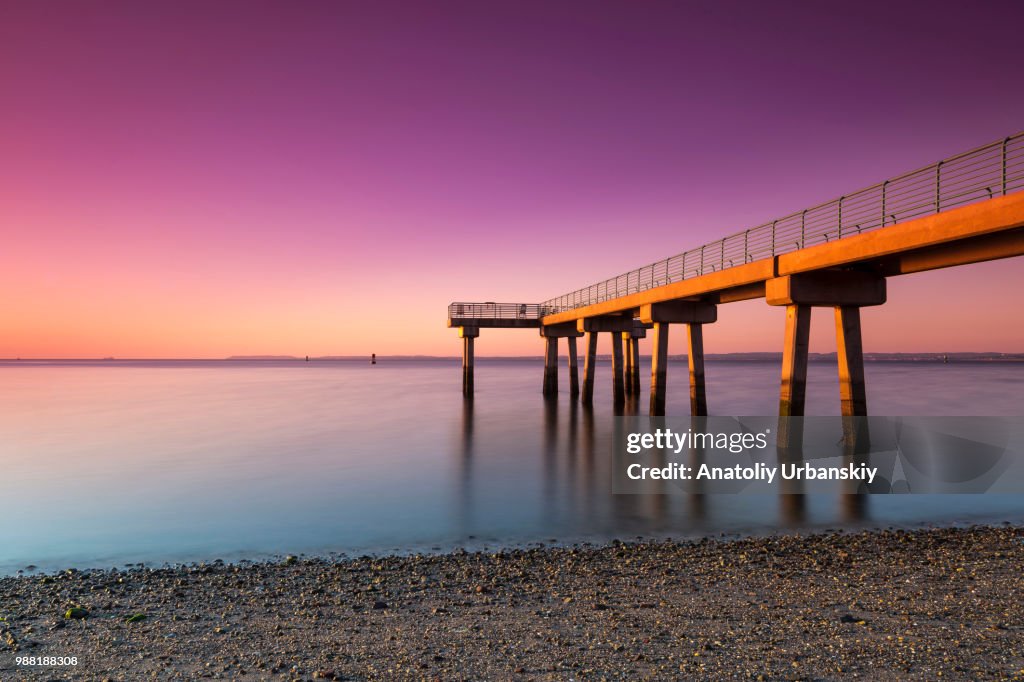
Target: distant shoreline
(951, 358)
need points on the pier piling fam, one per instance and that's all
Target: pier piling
(550, 366)
(659, 365)
(695, 356)
(589, 365)
(574, 373)
(794, 361)
(468, 334)
(618, 386)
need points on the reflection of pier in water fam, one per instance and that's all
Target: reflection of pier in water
(573, 468)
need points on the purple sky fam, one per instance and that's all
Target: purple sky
(211, 178)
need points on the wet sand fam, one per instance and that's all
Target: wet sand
(878, 605)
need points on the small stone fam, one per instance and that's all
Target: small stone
(378, 605)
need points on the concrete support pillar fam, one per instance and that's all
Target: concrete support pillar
(550, 366)
(618, 390)
(627, 362)
(659, 366)
(850, 352)
(634, 377)
(467, 366)
(589, 365)
(794, 361)
(468, 334)
(853, 399)
(574, 373)
(695, 354)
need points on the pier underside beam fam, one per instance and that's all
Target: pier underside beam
(827, 288)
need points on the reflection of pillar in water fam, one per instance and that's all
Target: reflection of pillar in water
(587, 454)
(550, 456)
(698, 503)
(465, 479)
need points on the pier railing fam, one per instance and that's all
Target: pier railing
(497, 311)
(995, 169)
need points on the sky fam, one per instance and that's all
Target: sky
(197, 179)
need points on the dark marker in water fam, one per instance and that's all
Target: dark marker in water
(373, 358)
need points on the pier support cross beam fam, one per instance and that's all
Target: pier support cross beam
(659, 364)
(589, 365)
(695, 355)
(550, 366)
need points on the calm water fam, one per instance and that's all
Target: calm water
(103, 464)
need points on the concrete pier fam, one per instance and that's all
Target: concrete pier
(468, 334)
(574, 373)
(627, 361)
(589, 365)
(839, 259)
(634, 377)
(660, 315)
(551, 334)
(616, 325)
(550, 366)
(850, 352)
(793, 392)
(695, 355)
(618, 385)
(659, 366)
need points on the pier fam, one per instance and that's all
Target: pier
(966, 209)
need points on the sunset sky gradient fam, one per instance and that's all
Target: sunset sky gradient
(204, 179)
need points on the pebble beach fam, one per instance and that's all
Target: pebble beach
(889, 604)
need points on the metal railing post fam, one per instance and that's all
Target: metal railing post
(803, 229)
(773, 237)
(841, 217)
(884, 186)
(1005, 142)
(938, 187)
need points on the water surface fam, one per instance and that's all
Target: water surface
(106, 463)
